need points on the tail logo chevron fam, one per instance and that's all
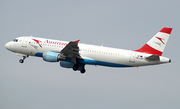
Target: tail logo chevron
(161, 39)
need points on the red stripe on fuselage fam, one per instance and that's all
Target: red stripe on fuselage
(148, 49)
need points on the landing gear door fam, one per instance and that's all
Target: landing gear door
(25, 41)
(132, 57)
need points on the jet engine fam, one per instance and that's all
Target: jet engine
(66, 64)
(50, 56)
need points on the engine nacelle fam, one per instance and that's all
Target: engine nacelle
(52, 56)
(66, 64)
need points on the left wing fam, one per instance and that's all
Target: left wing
(71, 50)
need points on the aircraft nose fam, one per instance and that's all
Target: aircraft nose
(7, 45)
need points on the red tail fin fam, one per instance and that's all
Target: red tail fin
(157, 43)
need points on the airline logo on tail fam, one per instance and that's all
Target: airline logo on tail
(161, 39)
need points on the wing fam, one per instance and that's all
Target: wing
(71, 50)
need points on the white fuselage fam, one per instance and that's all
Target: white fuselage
(94, 55)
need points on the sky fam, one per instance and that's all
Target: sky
(125, 24)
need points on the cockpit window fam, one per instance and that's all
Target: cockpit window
(15, 40)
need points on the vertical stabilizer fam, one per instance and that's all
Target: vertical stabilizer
(157, 43)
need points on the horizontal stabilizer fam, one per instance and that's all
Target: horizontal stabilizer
(153, 58)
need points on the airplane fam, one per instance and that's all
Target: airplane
(76, 55)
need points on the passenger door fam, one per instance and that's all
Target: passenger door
(25, 41)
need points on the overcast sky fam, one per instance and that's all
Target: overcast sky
(126, 24)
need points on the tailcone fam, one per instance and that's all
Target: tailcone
(165, 60)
